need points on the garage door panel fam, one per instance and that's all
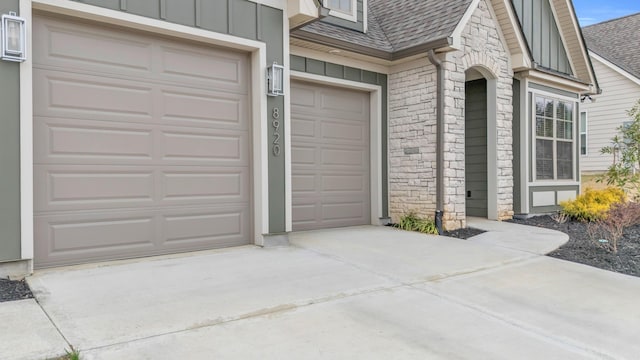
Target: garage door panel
(79, 187)
(330, 157)
(83, 238)
(204, 147)
(192, 107)
(186, 228)
(68, 95)
(332, 184)
(204, 67)
(86, 141)
(339, 132)
(72, 44)
(198, 186)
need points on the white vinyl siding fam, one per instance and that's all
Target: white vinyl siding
(554, 138)
(606, 114)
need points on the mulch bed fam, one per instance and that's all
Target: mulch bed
(582, 249)
(14, 290)
(463, 233)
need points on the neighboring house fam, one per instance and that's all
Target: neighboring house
(617, 64)
(138, 128)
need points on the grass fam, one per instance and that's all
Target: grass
(411, 222)
(72, 354)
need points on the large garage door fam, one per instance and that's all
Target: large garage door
(141, 144)
(330, 157)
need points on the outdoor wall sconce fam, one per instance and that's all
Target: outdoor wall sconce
(275, 80)
(14, 39)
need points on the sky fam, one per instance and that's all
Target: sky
(595, 11)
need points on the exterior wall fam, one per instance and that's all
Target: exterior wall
(542, 34)
(312, 66)
(10, 153)
(619, 95)
(412, 126)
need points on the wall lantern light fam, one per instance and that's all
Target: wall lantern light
(13, 44)
(275, 80)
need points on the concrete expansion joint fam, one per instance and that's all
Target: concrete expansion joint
(55, 326)
(541, 333)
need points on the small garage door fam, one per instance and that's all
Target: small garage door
(330, 157)
(141, 144)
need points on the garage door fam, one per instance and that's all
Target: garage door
(330, 157)
(141, 144)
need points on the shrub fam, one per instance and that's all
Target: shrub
(411, 222)
(592, 205)
(608, 231)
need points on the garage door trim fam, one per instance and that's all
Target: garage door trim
(258, 104)
(375, 131)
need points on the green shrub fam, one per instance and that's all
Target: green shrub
(411, 222)
(593, 205)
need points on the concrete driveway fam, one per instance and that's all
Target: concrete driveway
(354, 293)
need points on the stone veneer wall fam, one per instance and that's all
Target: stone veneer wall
(412, 126)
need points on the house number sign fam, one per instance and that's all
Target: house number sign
(275, 122)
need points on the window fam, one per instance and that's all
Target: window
(554, 138)
(344, 9)
(583, 133)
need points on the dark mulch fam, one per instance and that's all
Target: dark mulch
(14, 290)
(582, 249)
(463, 233)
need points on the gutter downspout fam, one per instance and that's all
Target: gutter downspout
(439, 139)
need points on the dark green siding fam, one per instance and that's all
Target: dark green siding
(348, 73)
(358, 25)
(517, 168)
(240, 18)
(542, 34)
(9, 153)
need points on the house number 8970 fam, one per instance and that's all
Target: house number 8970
(275, 114)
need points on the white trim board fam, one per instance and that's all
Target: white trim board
(375, 133)
(258, 90)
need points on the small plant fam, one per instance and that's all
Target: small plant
(560, 217)
(71, 354)
(411, 222)
(608, 231)
(592, 205)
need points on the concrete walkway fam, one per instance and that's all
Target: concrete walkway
(353, 293)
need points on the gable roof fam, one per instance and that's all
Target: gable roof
(616, 41)
(396, 28)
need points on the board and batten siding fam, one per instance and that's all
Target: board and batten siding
(9, 153)
(242, 18)
(542, 34)
(619, 95)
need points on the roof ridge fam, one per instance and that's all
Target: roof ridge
(611, 20)
(371, 11)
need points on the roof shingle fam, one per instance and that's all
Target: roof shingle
(396, 25)
(617, 41)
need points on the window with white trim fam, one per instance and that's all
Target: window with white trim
(554, 142)
(345, 9)
(583, 133)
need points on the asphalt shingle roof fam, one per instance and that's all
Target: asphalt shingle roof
(617, 41)
(396, 25)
